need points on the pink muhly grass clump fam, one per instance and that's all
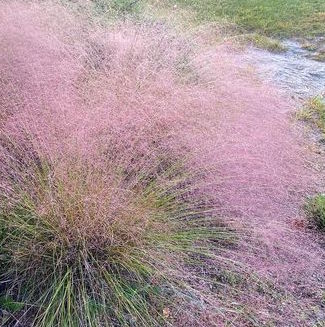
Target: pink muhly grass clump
(103, 214)
(119, 147)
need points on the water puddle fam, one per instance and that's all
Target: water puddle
(293, 71)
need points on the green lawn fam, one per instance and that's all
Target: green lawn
(272, 17)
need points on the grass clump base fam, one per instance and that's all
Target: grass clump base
(75, 257)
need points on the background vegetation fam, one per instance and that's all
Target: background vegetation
(273, 18)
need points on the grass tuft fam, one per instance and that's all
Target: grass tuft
(314, 112)
(316, 211)
(262, 42)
